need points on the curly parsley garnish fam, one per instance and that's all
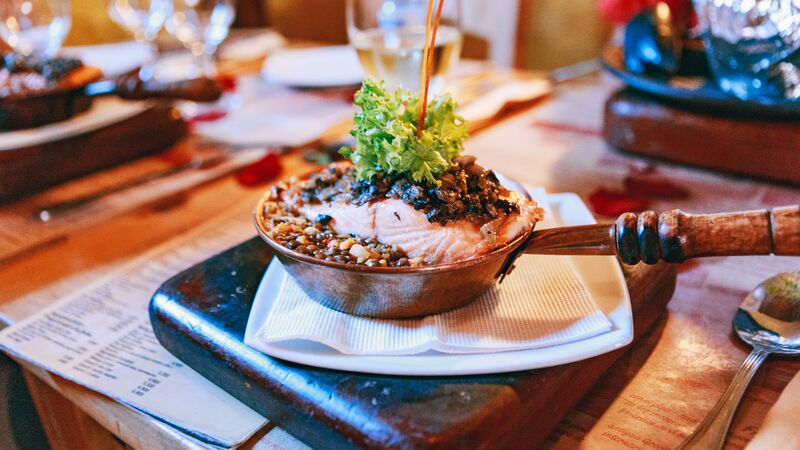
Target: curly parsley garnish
(386, 134)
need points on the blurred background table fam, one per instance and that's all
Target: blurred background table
(530, 39)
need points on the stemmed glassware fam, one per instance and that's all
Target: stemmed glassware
(201, 25)
(144, 19)
(389, 36)
(35, 27)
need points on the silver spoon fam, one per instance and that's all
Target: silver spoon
(769, 320)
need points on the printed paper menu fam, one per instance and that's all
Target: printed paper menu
(101, 338)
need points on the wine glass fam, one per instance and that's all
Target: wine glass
(143, 18)
(389, 37)
(34, 27)
(201, 26)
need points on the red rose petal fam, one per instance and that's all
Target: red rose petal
(264, 170)
(346, 93)
(681, 9)
(208, 116)
(229, 83)
(653, 186)
(613, 203)
(621, 11)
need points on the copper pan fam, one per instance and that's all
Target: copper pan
(404, 292)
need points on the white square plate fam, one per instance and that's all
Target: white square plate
(602, 276)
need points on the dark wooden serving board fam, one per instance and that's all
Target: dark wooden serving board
(29, 169)
(747, 145)
(200, 317)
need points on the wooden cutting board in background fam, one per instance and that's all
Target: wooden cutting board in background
(758, 147)
(26, 170)
(330, 409)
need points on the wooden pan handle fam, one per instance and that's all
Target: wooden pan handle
(675, 236)
(131, 87)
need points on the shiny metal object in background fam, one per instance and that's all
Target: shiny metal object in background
(769, 320)
(653, 41)
(753, 46)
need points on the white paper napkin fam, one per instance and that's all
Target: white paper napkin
(543, 303)
(113, 59)
(504, 94)
(274, 115)
(328, 66)
(255, 46)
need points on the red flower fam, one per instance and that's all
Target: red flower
(262, 171)
(613, 203)
(647, 185)
(641, 186)
(622, 11)
(229, 83)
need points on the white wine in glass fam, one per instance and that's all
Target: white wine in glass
(389, 37)
(34, 27)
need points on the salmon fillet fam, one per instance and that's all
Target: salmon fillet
(393, 222)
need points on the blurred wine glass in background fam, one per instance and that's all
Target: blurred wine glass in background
(201, 26)
(34, 27)
(389, 37)
(143, 18)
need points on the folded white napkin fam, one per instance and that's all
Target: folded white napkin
(504, 94)
(543, 303)
(113, 59)
(254, 46)
(274, 115)
(328, 66)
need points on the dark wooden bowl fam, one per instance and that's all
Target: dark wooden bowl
(35, 109)
(393, 292)
(42, 108)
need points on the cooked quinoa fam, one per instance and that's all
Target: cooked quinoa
(317, 239)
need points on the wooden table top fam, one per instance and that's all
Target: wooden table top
(653, 398)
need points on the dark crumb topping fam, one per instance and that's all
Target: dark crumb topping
(467, 191)
(52, 69)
